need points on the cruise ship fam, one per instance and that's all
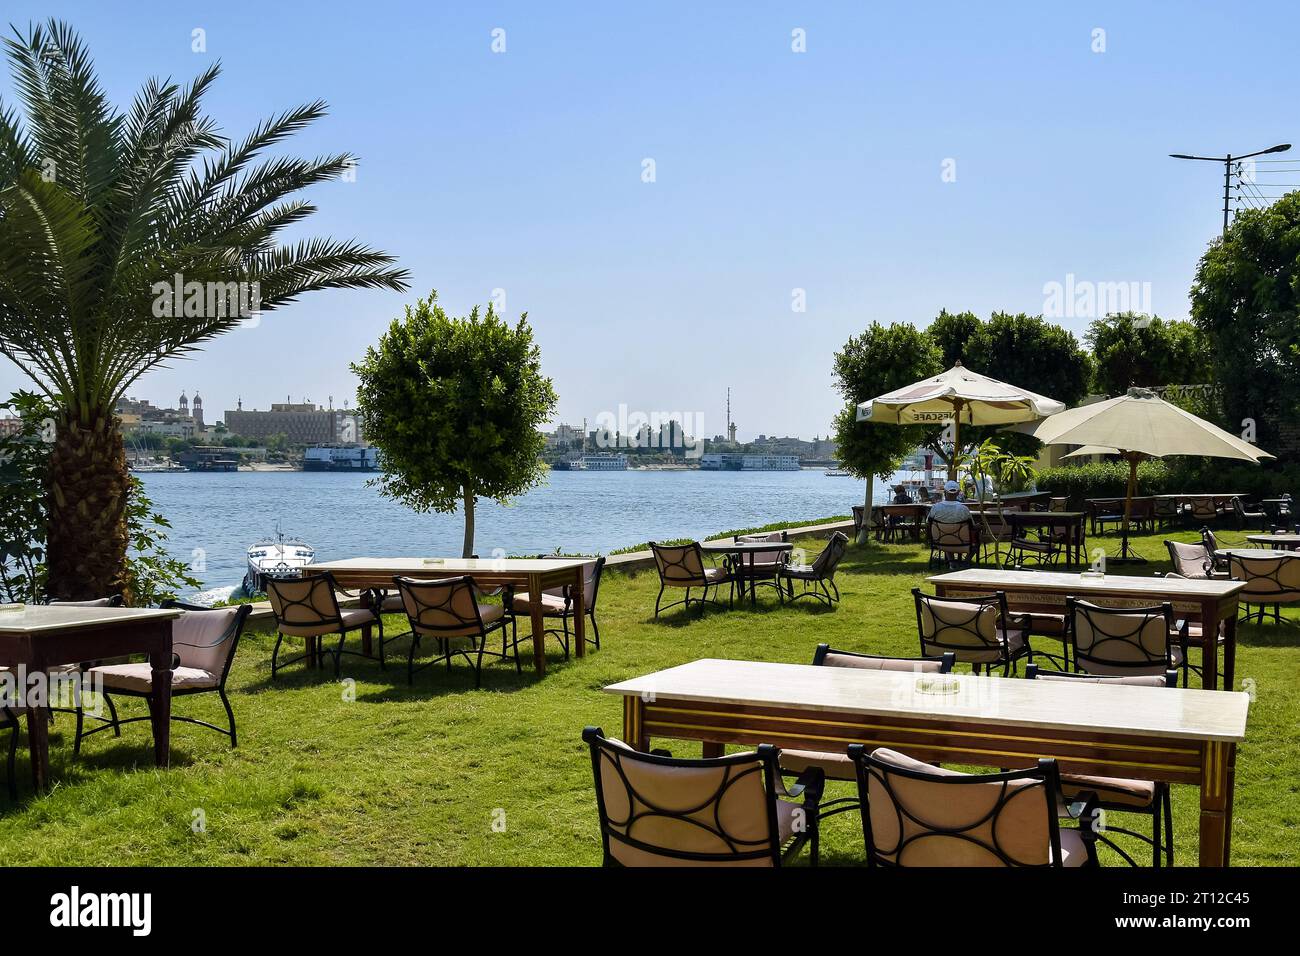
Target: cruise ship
(334, 457)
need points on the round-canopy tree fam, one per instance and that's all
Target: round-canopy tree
(102, 214)
(454, 406)
(879, 360)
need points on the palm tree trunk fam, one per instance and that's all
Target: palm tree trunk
(86, 495)
(468, 549)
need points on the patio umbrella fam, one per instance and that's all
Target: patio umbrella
(962, 397)
(1136, 426)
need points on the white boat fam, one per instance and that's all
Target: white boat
(277, 557)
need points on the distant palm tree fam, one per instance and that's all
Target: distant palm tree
(100, 212)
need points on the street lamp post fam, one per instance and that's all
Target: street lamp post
(1227, 170)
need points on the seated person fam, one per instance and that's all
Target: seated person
(950, 509)
(901, 497)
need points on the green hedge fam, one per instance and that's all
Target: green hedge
(1109, 479)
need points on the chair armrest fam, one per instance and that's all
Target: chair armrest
(810, 785)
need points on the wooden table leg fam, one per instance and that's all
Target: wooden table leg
(539, 626)
(580, 612)
(1217, 764)
(634, 734)
(160, 701)
(1229, 650)
(368, 604)
(38, 738)
(1210, 645)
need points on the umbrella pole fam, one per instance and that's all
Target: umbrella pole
(1127, 554)
(956, 439)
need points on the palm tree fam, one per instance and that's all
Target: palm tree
(100, 212)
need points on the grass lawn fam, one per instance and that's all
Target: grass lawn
(440, 773)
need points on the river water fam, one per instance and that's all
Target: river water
(216, 516)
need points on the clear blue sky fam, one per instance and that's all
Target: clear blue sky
(775, 170)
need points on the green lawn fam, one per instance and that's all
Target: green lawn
(443, 774)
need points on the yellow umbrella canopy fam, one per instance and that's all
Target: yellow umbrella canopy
(962, 397)
(1139, 425)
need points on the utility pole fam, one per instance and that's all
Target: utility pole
(1227, 161)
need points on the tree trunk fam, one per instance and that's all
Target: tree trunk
(864, 535)
(468, 549)
(86, 494)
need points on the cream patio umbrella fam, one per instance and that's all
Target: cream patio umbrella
(1136, 426)
(961, 397)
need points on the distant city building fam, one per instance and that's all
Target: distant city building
(139, 416)
(10, 426)
(301, 423)
(740, 461)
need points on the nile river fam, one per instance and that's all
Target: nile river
(216, 516)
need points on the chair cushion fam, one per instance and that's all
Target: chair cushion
(1110, 790)
(139, 677)
(552, 606)
(392, 604)
(351, 618)
(1195, 634)
(1074, 851)
(716, 575)
(836, 766)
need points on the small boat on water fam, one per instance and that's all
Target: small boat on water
(276, 557)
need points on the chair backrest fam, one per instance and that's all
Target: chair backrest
(207, 637)
(825, 563)
(1059, 504)
(1204, 508)
(966, 626)
(590, 584)
(764, 557)
(1268, 580)
(1120, 641)
(1166, 507)
(918, 815)
(680, 564)
(1170, 678)
(827, 656)
(304, 606)
(1209, 540)
(1190, 560)
(951, 535)
(859, 516)
(1237, 507)
(113, 600)
(442, 608)
(1142, 508)
(663, 811)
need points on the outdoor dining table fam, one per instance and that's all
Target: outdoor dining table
(1278, 542)
(1148, 733)
(917, 511)
(39, 637)
(533, 574)
(1269, 553)
(1211, 602)
(1275, 506)
(747, 552)
(1069, 522)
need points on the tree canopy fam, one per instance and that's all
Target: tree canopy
(454, 406)
(1134, 350)
(1246, 300)
(879, 360)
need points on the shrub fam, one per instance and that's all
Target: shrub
(1109, 479)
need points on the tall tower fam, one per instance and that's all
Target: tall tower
(731, 426)
(184, 404)
(197, 414)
